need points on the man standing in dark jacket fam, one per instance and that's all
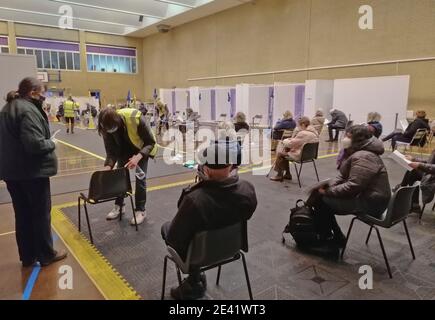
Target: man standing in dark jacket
(338, 122)
(419, 123)
(219, 201)
(27, 160)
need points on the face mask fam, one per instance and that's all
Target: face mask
(346, 143)
(113, 130)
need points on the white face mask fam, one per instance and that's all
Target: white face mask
(346, 143)
(113, 130)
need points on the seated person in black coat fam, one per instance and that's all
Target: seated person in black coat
(420, 122)
(219, 201)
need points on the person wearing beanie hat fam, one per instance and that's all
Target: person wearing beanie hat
(217, 201)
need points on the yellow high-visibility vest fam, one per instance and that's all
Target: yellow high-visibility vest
(132, 119)
(68, 107)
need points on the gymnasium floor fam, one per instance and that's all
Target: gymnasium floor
(125, 264)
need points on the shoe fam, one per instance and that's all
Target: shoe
(114, 214)
(58, 255)
(67, 130)
(27, 264)
(188, 291)
(287, 176)
(278, 177)
(140, 217)
(415, 208)
(339, 240)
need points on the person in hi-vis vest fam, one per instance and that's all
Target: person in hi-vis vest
(70, 107)
(129, 142)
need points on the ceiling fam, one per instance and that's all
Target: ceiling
(137, 18)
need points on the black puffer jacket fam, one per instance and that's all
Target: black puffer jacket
(427, 185)
(26, 150)
(210, 205)
(414, 126)
(364, 175)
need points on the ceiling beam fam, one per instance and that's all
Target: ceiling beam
(79, 4)
(176, 3)
(59, 16)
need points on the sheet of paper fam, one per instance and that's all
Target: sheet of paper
(404, 124)
(400, 159)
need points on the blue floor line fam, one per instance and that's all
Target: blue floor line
(34, 276)
(31, 282)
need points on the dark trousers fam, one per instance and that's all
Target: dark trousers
(32, 205)
(409, 179)
(69, 120)
(396, 136)
(194, 275)
(337, 131)
(140, 196)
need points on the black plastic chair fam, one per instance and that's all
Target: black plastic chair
(106, 186)
(208, 250)
(397, 211)
(310, 152)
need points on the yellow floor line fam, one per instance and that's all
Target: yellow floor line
(80, 149)
(104, 276)
(7, 233)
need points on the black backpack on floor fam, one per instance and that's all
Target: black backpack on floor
(302, 225)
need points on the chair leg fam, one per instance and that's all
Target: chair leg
(315, 168)
(134, 213)
(409, 239)
(368, 236)
(218, 275)
(178, 275)
(347, 236)
(422, 211)
(433, 208)
(383, 252)
(297, 174)
(79, 214)
(87, 220)
(247, 276)
(165, 265)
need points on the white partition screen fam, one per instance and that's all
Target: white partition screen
(167, 96)
(288, 96)
(205, 104)
(319, 94)
(223, 103)
(182, 100)
(386, 95)
(15, 68)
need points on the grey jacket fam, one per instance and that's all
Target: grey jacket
(363, 174)
(26, 150)
(339, 119)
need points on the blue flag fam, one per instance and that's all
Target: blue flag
(155, 93)
(129, 96)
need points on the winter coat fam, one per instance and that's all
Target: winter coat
(210, 205)
(295, 144)
(26, 150)
(317, 122)
(418, 123)
(363, 174)
(339, 119)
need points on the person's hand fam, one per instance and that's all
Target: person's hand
(414, 165)
(409, 158)
(133, 161)
(322, 190)
(107, 168)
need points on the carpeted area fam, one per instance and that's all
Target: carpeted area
(276, 271)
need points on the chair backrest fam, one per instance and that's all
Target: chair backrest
(107, 185)
(419, 138)
(286, 134)
(310, 151)
(256, 120)
(349, 124)
(215, 246)
(400, 204)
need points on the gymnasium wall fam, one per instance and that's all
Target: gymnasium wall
(271, 35)
(113, 86)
